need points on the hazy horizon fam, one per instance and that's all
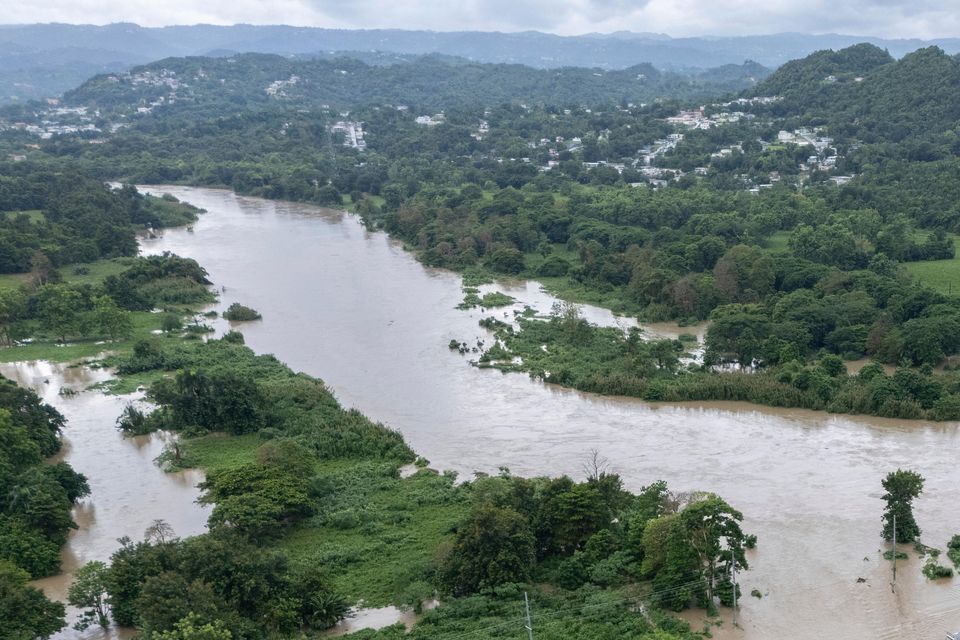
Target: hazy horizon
(625, 32)
(886, 19)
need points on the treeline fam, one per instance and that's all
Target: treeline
(565, 349)
(35, 506)
(66, 217)
(596, 534)
(46, 305)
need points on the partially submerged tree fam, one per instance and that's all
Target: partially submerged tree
(89, 594)
(901, 488)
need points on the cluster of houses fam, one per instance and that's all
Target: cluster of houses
(431, 121)
(352, 134)
(58, 120)
(482, 130)
(278, 88)
(700, 119)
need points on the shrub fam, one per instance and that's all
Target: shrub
(237, 312)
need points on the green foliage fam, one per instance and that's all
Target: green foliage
(493, 546)
(88, 592)
(936, 571)
(26, 613)
(35, 515)
(223, 385)
(953, 550)
(83, 220)
(219, 583)
(190, 628)
(258, 499)
(901, 488)
(236, 312)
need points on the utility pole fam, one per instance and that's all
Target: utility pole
(733, 580)
(526, 604)
(893, 585)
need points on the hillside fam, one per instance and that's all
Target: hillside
(428, 83)
(862, 92)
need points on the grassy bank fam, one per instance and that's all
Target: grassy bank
(939, 275)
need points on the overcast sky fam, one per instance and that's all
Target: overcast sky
(882, 18)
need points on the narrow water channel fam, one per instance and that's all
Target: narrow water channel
(127, 491)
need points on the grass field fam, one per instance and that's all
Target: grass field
(378, 537)
(87, 273)
(778, 241)
(940, 275)
(35, 215)
(46, 348)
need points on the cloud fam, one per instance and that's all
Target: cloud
(883, 18)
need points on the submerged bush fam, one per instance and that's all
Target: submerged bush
(237, 312)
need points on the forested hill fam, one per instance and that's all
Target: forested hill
(430, 82)
(862, 92)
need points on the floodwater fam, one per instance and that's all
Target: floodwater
(354, 309)
(127, 491)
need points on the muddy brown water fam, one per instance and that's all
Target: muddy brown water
(353, 308)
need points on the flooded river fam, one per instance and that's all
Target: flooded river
(353, 308)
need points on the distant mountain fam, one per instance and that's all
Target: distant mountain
(26, 69)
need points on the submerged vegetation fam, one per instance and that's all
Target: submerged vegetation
(237, 312)
(565, 349)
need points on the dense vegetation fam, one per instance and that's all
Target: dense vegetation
(34, 510)
(430, 82)
(601, 197)
(114, 308)
(67, 217)
(565, 349)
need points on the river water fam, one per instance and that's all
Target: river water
(353, 308)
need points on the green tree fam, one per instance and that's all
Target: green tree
(713, 530)
(26, 613)
(901, 487)
(88, 592)
(192, 628)
(493, 546)
(111, 319)
(13, 306)
(59, 309)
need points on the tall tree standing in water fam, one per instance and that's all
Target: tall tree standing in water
(901, 489)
